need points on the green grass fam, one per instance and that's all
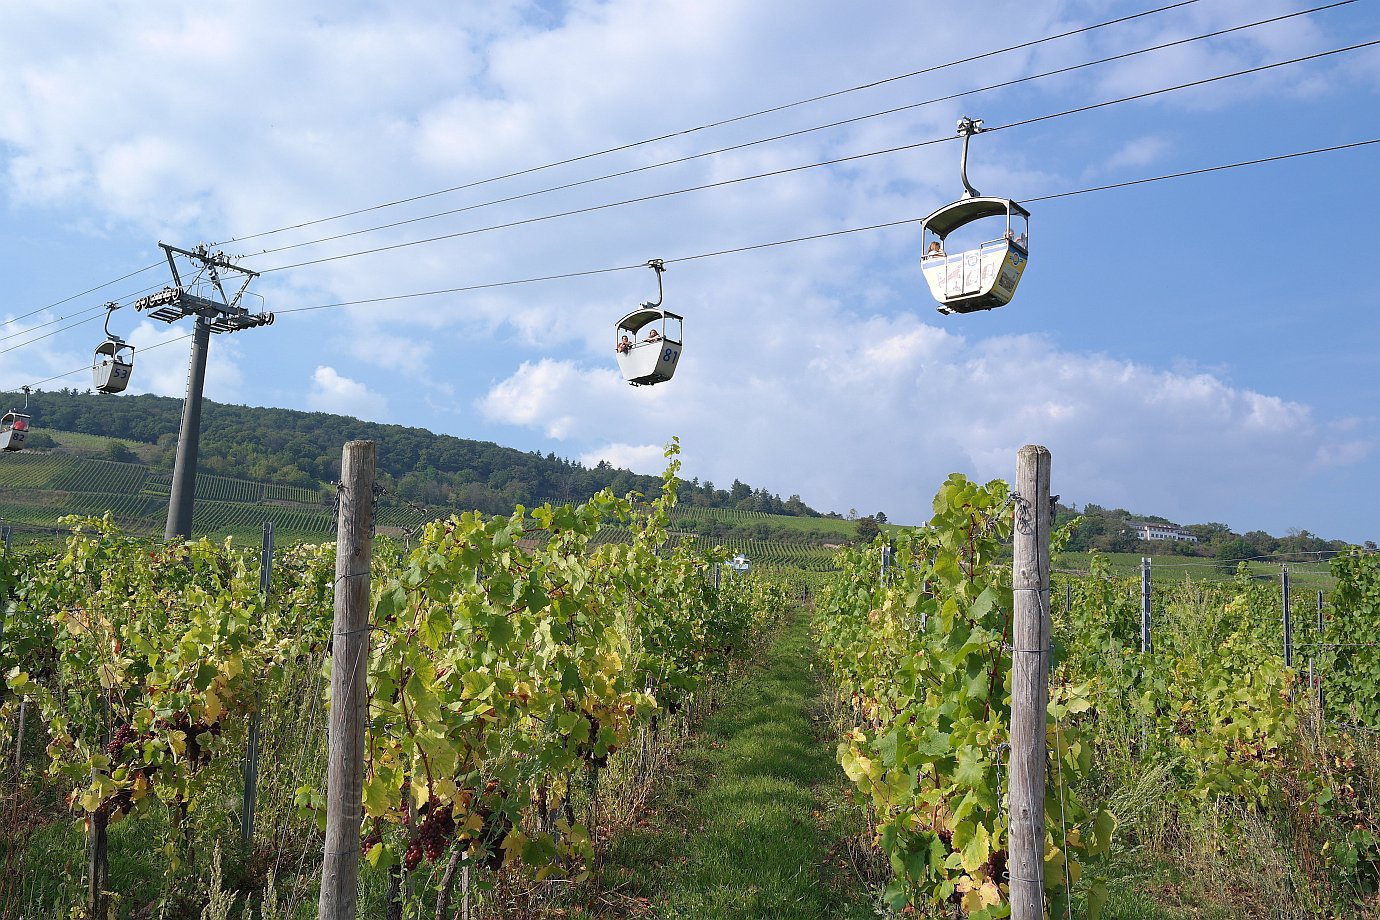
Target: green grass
(748, 823)
(89, 443)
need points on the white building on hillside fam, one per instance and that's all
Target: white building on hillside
(1149, 531)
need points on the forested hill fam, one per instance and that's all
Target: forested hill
(303, 448)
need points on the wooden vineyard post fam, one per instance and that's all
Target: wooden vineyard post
(97, 863)
(349, 691)
(1029, 682)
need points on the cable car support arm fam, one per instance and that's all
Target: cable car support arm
(658, 266)
(967, 127)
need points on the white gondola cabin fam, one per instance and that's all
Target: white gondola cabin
(14, 428)
(648, 340)
(112, 365)
(985, 275)
(976, 248)
(648, 345)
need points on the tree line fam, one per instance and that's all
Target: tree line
(303, 449)
(1113, 530)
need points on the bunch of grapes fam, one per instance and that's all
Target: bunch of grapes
(432, 835)
(123, 735)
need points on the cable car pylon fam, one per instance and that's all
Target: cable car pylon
(220, 312)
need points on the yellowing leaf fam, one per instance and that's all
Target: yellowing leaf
(91, 800)
(177, 740)
(1097, 899)
(234, 667)
(513, 845)
(977, 850)
(213, 704)
(377, 797)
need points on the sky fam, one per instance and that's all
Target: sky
(1202, 348)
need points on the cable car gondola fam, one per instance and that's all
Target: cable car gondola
(14, 427)
(984, 276)
(113, 362)
(650, 358)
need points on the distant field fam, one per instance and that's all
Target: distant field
(38, 488)
(1302, 575)
(88, 443)
(844, 530)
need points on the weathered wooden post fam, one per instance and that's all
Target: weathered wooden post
(1029, 682)
(349, 690)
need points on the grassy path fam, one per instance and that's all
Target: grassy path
(746, 825)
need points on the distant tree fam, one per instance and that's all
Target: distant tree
(117, 451)
(880, 516)
(39, 440)
(1371, 547)
(1233, 553)
(867, 529)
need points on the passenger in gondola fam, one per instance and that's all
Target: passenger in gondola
(624, 346)
(936, 249)
(654, 336)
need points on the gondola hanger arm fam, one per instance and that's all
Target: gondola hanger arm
(967, 127)
(110, 309)
(658, 266)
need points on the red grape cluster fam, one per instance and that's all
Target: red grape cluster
(432, 835)
(123, 735)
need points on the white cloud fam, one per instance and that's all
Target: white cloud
(330, 392)
(556, 397)
(1346, 453)
(888, 407)
(648, 459)
(1135, 153)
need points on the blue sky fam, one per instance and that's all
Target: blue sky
(1203, 348)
